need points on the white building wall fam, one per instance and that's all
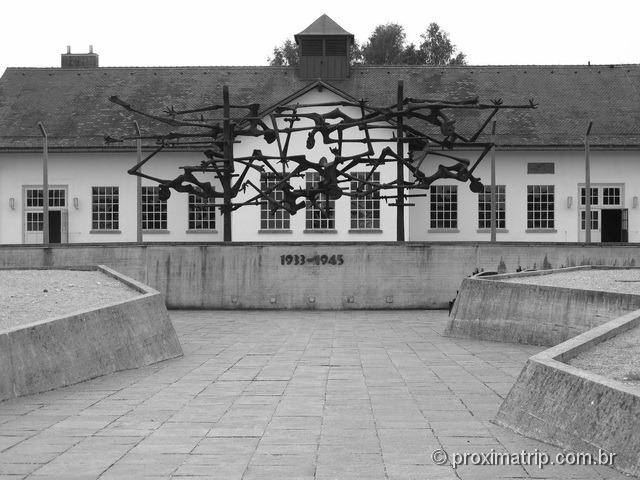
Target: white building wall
(81, 171)
(607, 167)
(246, 220)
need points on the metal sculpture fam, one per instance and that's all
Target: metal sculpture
(414, 120)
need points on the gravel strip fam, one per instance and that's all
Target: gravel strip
(619, 281)
(28, 296)
(617, 358)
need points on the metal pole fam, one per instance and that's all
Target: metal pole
(45, 184)
(228, 166)
(493, 183)
(400, 166)
(138, 186)
(587, 186)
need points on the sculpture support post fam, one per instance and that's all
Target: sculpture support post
(45, 185)
(138, 187)
(400, 167)
(587, 187)
(228, 163)
(494, 215)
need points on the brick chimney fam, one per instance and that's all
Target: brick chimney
(79, 60)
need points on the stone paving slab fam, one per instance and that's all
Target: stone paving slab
(284, 395)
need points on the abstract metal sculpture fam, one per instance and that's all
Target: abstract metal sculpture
(425, 125)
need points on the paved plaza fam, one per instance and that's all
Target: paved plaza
(285, 395)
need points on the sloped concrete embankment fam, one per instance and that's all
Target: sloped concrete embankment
(575, 409)
(490, 308)
(54, 353)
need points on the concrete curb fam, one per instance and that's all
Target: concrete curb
(578, 410)
(490, 308)
(49, 354)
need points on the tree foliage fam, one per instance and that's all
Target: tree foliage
(437, 49)
(387, 45)
(285, 55)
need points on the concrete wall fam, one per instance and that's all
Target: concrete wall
(54, 353)
(492, 308)
(575, 409)
(410, 275)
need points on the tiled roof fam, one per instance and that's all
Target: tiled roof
(73, 103)
(324, 25)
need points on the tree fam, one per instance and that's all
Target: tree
(436, 48)
(385, 45)
(285, 55)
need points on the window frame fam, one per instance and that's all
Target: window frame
(484, 199)
(445, 207)
(204, 208)
(273, 222)
(365, 209)
(161, 213)
(111, 220)
(314, 221)
(546, 215)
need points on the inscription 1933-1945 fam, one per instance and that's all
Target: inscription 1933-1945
(311, 260)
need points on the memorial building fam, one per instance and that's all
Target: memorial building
(540, 154)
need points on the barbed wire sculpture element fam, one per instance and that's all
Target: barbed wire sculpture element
(425, 125)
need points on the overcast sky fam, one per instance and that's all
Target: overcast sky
(33, 33)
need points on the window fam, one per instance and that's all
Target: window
(104, 208)
(35, 221)
(594, 219)
(594, 196)
(317, 219)
(611, 196)
(365, 210)
(336, 46)
(154, 210)
(484, 207)
(202, 213)
(540, 206)
(444, 206)
(269, 219)
(57, 197)
(311, 47)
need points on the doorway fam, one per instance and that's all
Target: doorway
(55, 226)
(614, 227)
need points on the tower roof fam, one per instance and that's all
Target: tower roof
(324, 26)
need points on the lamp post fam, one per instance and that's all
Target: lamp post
(45, 184)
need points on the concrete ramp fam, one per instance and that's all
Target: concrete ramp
(62, 351)
(575, 409)
(499, 308)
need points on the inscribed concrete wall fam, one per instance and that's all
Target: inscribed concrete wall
(575, 409)
(410, 275)
(492, 308)
(54, 353)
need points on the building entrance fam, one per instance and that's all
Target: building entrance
(615, 225)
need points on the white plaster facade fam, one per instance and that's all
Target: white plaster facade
(78, 172)
(609, 168)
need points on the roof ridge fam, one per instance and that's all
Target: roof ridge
(371, 67)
